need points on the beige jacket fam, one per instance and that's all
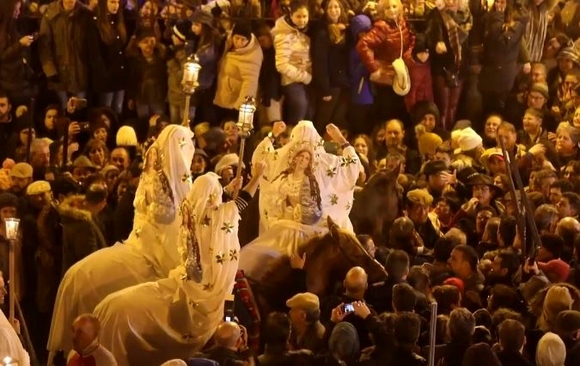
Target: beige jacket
(238, 74)
(292, 48)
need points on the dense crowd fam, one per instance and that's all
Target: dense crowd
(429, 90)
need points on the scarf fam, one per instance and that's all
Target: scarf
(536, 31)
(458, 25)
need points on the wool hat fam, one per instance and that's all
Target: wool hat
(568, 53)
(467, 140)
(540, 87)
(38, 187)
(144, 32)
(423, 108)
(306, 301)
(556, 270)
(242, 28)
(21, 170)
(182, 30)
(551, 350)
(107, 169)
(568, 321)
(427, 142)
(202, 17)
(420, 196)
(126, 136)
(494, 152)
(8, 200)
(8, 164)
(402, 80)
(84, 162)
(457, 282)
(227, 161)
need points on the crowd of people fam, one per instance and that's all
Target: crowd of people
(130, 221)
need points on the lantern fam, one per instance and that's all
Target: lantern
(12, 228)
(190, 74)
(246, 117)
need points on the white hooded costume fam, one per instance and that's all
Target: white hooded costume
(302, 185)
(153, 322)
(150, 251)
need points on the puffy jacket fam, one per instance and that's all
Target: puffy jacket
(292, 47)
(382, 44)
(238, 75)
(361, 92)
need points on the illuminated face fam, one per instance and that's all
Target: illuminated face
(391, 9)
(100, 134)
(491, 125)
(360, 146)
(428, 122)
(50, 119)
(564, 143)
(333, 11)
(239, 41)
(302, 160)
(113, 6)
(300, 17)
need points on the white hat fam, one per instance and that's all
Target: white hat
(468, 140)
(175, 362)
(226, 161)
(126, 136)
(401, 73)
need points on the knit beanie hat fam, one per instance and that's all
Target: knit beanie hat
(8, 200)
(344, 340)
(568, 53)
(542, 88)
(182, 30)
(557, 299)
(423, 108)
(467, 140)
(551, 351)
(242, 28)
(427, 141)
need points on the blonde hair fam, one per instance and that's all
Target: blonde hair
(382, 4)
(573, 131)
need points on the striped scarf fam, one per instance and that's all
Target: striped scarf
(458, 25)
(536, 32)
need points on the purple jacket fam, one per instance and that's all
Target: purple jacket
(359, 76)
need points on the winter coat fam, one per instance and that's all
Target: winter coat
(15, 71)
(361, 92)
(63, 46)
(292, 47)
(382, 45)
(108, 67)
(208, 57)
(147, 81)
(81, 235)
(238, 75)
(329, 62)
(269, 78)
(500, 53)
(175, 95)
(421, 83)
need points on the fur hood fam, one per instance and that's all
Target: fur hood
(72, 209)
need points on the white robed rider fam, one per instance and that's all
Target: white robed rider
(148, 254)
(154, 322)
(302, 185)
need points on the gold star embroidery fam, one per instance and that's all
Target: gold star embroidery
(206, 221)
(138, 233)
(227, 227)
(275, 155)
(233, 255)
(186, 177)
(331, 171)
(220, 258)
(208, 287)
(333, 199)
(349, 206)
(211, 198)
(321, 143)
(182, 142)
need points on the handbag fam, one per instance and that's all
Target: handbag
(451, 78)
(387, 74)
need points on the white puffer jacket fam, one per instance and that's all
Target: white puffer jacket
(292, 47)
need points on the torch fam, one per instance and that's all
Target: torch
(245, 125)
(189, 83)
(12, 236)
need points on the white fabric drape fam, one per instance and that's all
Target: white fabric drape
(178, 315)
(148, 254)
(285, 226)
(10, 345)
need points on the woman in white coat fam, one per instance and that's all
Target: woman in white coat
(293, 62)
(150, 251)
(239, 70)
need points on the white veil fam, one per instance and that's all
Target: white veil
(336, 175)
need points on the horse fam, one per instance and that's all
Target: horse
(374, 209)
(377, 205)
(328, 259)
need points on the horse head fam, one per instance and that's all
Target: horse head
(378, 204)
(329, 257)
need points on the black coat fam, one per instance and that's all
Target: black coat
(501, 50)
(329, 62)
(16, 75)
(108, 67)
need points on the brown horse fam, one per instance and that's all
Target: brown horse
(328, 259)
(374, 209)
(377, 205)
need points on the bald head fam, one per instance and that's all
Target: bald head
(569, 224)
(355, 281)
(227, 334)
(85, 331)
(457, 235)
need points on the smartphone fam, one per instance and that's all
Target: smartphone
(348, 308)
(80, 103)
(228, 318)
(84, 126)
(229, 315)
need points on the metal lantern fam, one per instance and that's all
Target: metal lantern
(245, 126)
(189, 83)
(246, 117)
(12, 228)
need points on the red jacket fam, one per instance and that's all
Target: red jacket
(421, 83)
(382, 44)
